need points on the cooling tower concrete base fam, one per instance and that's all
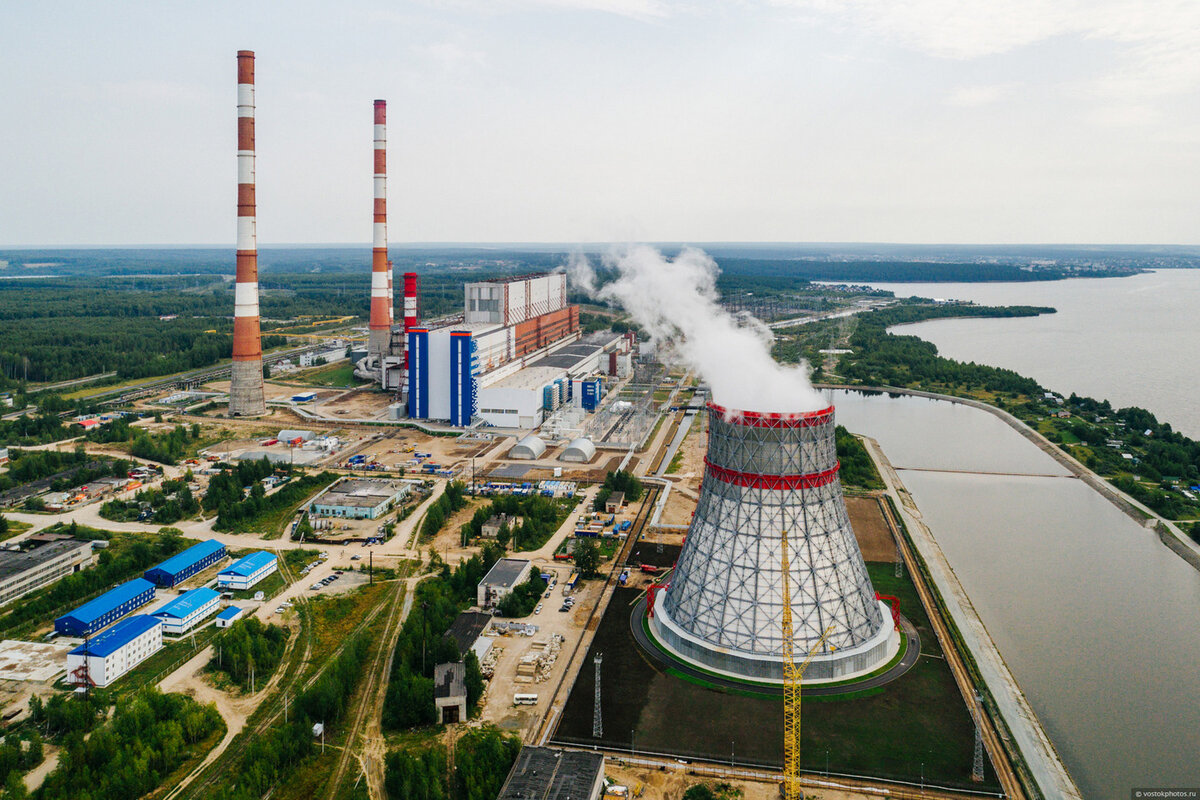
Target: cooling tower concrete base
(837, 666)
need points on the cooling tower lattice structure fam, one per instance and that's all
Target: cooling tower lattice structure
(723, 606)
(246, 375)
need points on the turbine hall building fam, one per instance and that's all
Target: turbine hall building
(103, 659)
(184, 612)
(247, 571)
(105, 609)
(182, 566)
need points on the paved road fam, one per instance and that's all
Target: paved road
(649, 648)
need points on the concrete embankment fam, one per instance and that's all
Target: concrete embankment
(1041, 763)
(1168, 533)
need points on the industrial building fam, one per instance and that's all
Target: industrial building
(466, 629)
(504, 576)
(247, 571)
(184, 612)
(766, 474)
(548, 773)
(228, 616)
(529, 448)
(182, 566)
(579, 451)
(105, 609)
(360, 498)
(104, 658)
(39, 563)
(450, 692)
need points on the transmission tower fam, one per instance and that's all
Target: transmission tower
(977, 766)
(899, 572)
(597, 725)
(793, 674)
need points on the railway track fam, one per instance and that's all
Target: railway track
(276, 705)
(370, 695)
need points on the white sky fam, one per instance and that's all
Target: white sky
(994, 121)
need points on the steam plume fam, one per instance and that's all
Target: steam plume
(675, 301)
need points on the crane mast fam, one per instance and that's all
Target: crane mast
(793, 674)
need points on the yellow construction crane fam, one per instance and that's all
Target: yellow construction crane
(793, 674)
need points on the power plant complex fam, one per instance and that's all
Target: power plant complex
(513, 355)
(766, 474)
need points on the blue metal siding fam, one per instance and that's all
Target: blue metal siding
(590, 395)
(107, 608)
(186, 564)
(418, 374)
(463, 388)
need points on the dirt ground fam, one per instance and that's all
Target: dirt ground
(356, 404)
(497, 703)
(874, 538)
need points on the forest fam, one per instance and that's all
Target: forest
(619, 481)
(256, 510)
(422, 643)
(452, 499)
(482, 759)
(249, 647)
(540, 518)
(149, 736)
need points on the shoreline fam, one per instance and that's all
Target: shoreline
(1168, 533)
(1044, 767)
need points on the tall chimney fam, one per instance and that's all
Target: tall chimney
(410, 309)
(246, 378)
(382, 313)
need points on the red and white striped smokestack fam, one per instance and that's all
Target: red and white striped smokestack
(382, 314)
(246, 379)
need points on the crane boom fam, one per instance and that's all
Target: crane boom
(793, 675)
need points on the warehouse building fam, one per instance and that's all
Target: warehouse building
(39, 563)
(360, 498)
(247, 571)
(548, 773)
(105, 609)
(531, 447)
(104, 658)
(450, 692)
(579, 451)
(179, 568)
(184, 612)
(504, 576)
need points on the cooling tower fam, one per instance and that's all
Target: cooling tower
(723, 606)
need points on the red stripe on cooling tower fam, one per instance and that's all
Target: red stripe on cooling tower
(758, 419)
(755, 480)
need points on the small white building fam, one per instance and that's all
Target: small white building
(183, 613)
(450, 692)
(504, 576)
(228, 616)
(109, 655)
(247, 571)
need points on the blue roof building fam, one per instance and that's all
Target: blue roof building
(180, 567)
(228, 616)
(245, 572)
(105, 609)
(182, 613)
(114, 652)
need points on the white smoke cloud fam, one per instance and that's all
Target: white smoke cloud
(675, 301)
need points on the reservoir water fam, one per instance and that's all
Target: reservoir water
(1134, 341)
(1096, 619)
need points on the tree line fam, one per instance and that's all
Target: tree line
(251, 512)
(482, 760)
(452, 499)
(249, 646)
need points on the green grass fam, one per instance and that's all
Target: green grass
(339, 374)
(15, 528)
(270, 586)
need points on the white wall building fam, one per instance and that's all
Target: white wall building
(186, 611)
(245, 572)
(109, 655)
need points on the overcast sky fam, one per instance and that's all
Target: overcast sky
(992, 121)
